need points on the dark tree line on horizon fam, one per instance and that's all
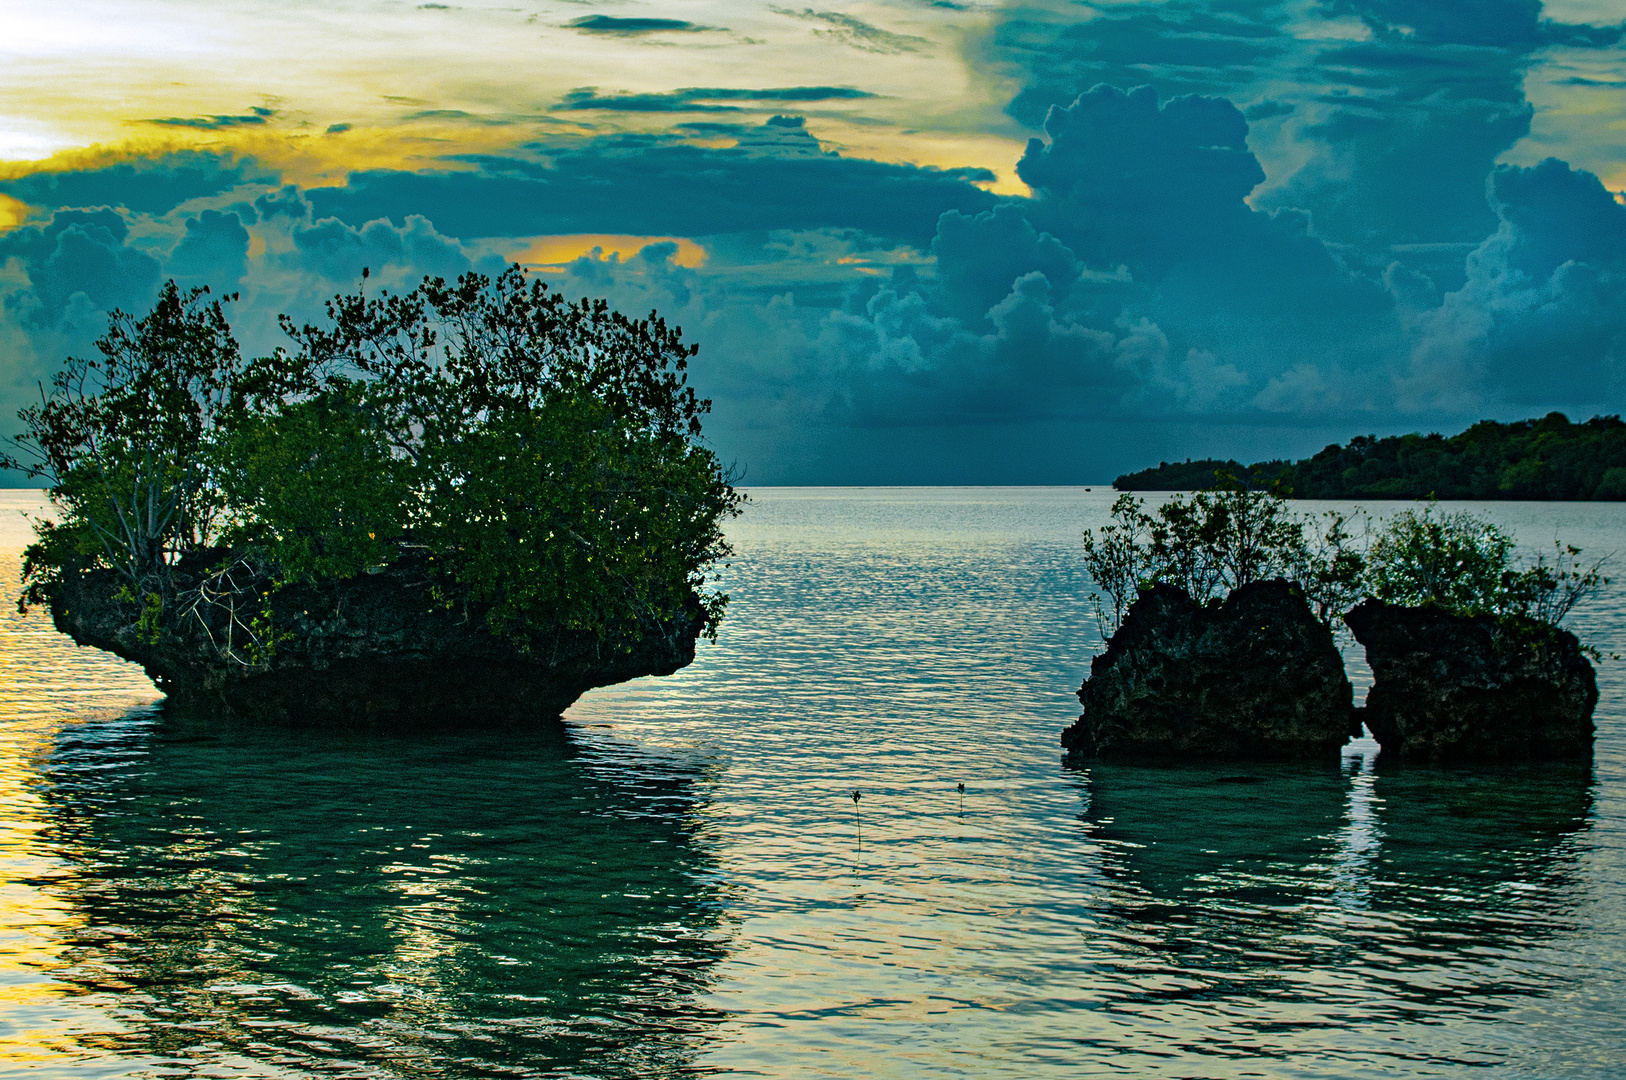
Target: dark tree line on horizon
(1546, 459)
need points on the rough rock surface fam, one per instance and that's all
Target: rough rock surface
(1481, 688)
(1255, 677)
(370, 649)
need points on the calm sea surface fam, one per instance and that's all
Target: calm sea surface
(682, 883)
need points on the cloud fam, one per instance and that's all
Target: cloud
(614, 24)
(777, 178)
(395, 255)
(146, 186)
(1177, 47)
(855, 33)
(254, 118)
(978, 258)
(1546, 291)
(213, 252)
(1404, 149)
(1267, 110)
(702, 99)
(1391, 113)
(1128, 180)
(80, 258)
(285, 201)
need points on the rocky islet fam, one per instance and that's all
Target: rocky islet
(1257, 677)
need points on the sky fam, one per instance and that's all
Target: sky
(917, 241)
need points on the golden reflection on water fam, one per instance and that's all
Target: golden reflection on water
(46, 683)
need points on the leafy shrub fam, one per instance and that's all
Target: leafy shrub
(1221, 539)
(1466, 564)
(544, 455)
(1217, 541)
(127, 438)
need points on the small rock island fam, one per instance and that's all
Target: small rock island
(1480, 688)
(1255, 676)
(464, 503)
(1211, 659)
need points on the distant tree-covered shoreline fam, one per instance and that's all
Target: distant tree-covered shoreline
(1546, 459)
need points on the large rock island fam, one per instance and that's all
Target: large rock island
(367, 649)
(467, 501)
(1253, 677)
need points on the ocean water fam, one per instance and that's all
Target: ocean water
(681, 882)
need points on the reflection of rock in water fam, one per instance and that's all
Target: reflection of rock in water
(472, 904)
(1188, 834)
(1409, 888)
(1488, 854)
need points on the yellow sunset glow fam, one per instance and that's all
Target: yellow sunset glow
(12, 212)
(558, 250)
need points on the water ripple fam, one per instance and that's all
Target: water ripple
(683, 884)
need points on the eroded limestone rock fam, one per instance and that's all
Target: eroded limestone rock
(1474, 688)
(1254, 677)
(375, 648)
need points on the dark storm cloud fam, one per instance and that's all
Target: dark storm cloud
(1387, 143)
(1140, 261)
(149, 186)
(702, 99)
(776, 179)
(1408, 141)
(1137, 283)
(980, 256)
(613, 24)
(1176, 47)
(1127, 180)
(80, 252)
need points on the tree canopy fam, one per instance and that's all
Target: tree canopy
(1222, 538)
(1549, 458)
(542, 457)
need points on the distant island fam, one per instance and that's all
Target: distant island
(1546, 459)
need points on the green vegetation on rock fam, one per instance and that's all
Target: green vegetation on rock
(1546, 459)
(1218, 540)
(542, 457)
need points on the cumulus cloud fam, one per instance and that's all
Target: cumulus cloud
(398, 255)
(80, 259)
(1541, 318)
(213, 252)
